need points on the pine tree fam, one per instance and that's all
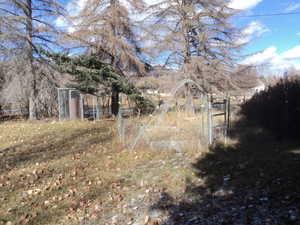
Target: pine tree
(89, 72)
(111, 35)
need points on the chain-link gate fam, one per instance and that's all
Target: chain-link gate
(70, 104)
(218, 119)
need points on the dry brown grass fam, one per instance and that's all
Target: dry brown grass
(188, 129)
(64, 173)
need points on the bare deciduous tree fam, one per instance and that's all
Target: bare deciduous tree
(194, 35)
(24, 28)
(107, 29)
(246, 76)
(16, 87)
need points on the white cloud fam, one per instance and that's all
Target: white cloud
(254, 30)
(243, 4)
(276, 61)
(73, 8)
(293, 53)
(292, 7)
(152, 2)
(262, 57)
(60, 21)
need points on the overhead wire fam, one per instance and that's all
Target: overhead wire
(238, 16)
(271, 14)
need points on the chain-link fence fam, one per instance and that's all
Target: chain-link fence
(184, 118)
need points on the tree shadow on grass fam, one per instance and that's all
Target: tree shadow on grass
(255, 181)
(51, 147)
(44, 148)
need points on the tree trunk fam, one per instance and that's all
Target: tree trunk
(33, 78)
(186, 34)
(32, 108)
(115, 100)
(114, 95)
(114, 89)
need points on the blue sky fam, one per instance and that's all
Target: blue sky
(273, 40)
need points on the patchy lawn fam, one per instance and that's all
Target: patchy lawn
(79, 173)
(73, 172)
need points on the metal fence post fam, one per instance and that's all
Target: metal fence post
(202, 112)
(209, 122)
(97, 109)
(225, 119)
(81, 97)
(228, 114)
(70, 98)
(59, 102)
(94, 109)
